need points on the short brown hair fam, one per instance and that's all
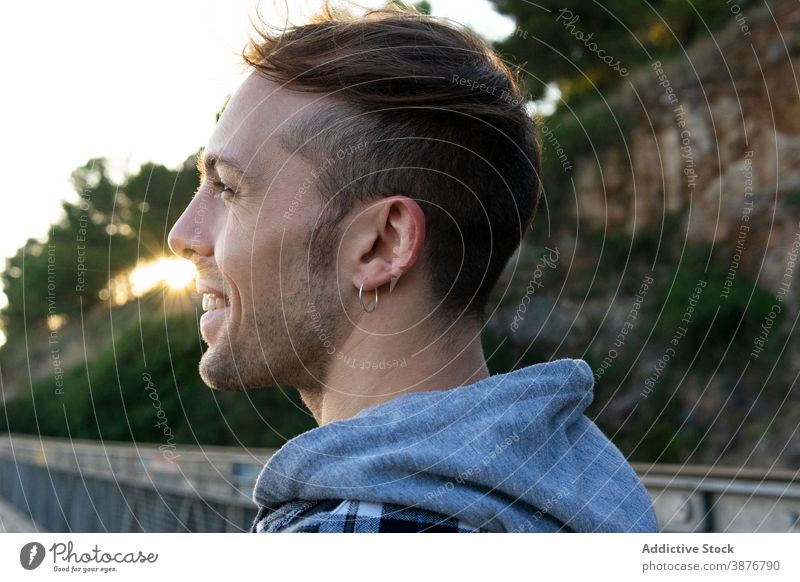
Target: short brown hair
(444, 121)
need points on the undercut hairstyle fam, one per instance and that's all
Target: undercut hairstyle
(422, 108)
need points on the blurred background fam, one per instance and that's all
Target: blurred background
(671, 143)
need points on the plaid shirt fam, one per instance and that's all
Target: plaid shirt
(351, 516)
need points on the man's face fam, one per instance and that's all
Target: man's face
(248, 235)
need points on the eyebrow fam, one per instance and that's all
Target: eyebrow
(208, 164)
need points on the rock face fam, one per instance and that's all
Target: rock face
(715, 134)
(708, 156)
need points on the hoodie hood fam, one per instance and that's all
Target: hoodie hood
(513, 452)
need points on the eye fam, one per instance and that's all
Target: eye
(224, 192)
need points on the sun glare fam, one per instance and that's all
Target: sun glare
(170, 272)
(174, 273)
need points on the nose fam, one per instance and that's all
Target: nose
(192, 233)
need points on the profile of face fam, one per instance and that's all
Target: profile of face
(248, 231)
(280, 304)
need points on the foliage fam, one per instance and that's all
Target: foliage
(116, 396)
(718, 324)
(712, 336)
(423, 7)
(102, 234)
(553, 46)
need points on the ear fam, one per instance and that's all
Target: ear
(392, 233)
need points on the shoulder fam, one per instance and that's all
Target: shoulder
(352, 516)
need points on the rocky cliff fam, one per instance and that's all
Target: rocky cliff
(677, 230)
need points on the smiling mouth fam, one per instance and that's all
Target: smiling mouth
(213, 301)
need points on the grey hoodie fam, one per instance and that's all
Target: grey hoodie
(511, 453)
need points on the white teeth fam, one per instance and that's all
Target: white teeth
(212, 301)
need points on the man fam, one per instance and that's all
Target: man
(361, 194)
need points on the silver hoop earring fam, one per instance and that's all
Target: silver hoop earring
(361, 298)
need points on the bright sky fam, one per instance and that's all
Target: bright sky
(129, 81)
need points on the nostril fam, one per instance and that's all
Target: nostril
(188, 254)
(178, 247)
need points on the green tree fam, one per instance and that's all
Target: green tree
(105, 232)
(152, 367)
(566, 41)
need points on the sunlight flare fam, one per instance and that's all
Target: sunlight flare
(172, 273)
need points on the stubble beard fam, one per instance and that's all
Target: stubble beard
(289, 341)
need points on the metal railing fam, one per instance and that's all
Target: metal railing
(697, 498)
(86, 486)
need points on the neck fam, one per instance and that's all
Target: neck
(371, 368)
